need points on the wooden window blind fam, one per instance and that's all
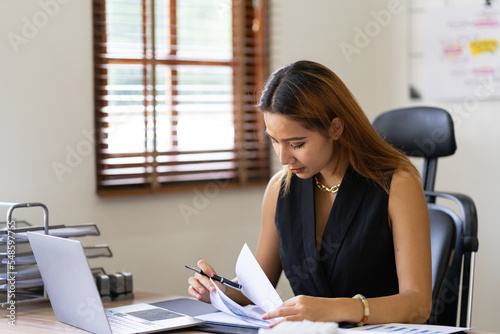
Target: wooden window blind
(176, 82)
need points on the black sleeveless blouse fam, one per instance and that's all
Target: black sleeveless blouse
(357, 250)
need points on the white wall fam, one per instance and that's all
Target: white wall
(46, 106)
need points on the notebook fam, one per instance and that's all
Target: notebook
(75, 300)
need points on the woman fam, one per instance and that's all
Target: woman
(346, 217)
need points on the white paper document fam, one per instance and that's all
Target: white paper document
(403, 329)
(251, 314)
(256, 287)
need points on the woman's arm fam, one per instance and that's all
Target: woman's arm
(409, 217)
(409, 220)
(267, 253)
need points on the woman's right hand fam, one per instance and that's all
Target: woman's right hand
(200, 286)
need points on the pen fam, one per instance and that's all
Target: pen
(223, 280)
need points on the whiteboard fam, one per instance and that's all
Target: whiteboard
(453, 51)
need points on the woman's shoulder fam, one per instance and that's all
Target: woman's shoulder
(402, 178)
(406, 190)
(274, 187)
(270, 199)
(274, 184)
(277, 177)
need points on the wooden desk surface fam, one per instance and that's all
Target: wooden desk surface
(36, 318)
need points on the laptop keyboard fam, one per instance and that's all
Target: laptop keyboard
(155, 314)
(121, 323)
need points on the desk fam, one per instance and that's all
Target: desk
(35, 318)
(38, 317)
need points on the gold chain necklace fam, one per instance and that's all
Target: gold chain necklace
(322, 187)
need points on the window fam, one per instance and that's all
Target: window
(176, 82)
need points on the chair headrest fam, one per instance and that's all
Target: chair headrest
(418, 131)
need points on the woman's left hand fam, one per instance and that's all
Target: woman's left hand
(301, 308)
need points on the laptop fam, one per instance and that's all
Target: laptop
(75, 300)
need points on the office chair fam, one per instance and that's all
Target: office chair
(443, 238)
(428, 133)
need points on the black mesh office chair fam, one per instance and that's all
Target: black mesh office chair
(428, 132)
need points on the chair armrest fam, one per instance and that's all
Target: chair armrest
(469, 217)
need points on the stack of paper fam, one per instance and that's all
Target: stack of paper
(256, 287)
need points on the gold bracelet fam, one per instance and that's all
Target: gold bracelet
(366, 312)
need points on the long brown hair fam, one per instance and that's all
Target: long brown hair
(313, 95)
